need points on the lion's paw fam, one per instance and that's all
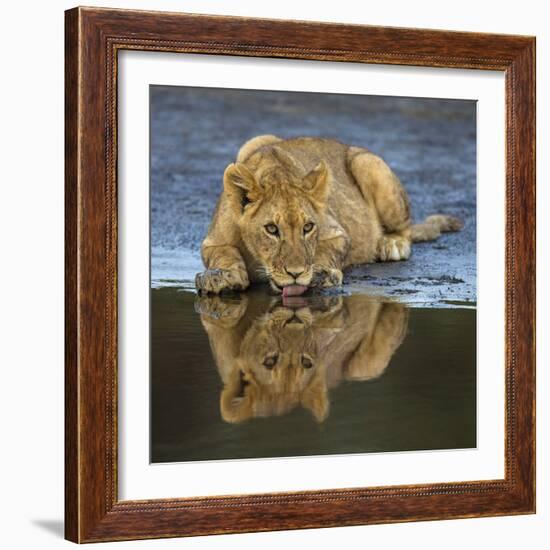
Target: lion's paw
(215, 281)
(392, 248)
(223, 311)
(326, 277)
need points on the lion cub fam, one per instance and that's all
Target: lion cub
(294, 213)
(273, 358)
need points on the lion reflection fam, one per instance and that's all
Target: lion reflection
(274, 354)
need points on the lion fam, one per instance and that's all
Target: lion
(295, 213)
(276, 355)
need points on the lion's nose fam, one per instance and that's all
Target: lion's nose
(294, 272)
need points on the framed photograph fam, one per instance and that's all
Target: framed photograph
(300, 275)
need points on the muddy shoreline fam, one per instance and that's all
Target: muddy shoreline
(430, 144)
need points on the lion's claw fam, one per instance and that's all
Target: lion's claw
(325, 277)
(220, 310)
(393, 248)
(215, 281)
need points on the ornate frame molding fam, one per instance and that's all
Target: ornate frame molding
(93, 38)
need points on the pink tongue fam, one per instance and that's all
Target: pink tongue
(294, 290)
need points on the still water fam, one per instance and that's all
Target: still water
(255, 376)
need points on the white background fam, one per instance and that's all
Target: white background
(140, 480)
(31, 218)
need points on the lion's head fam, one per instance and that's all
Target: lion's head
(277, 369)
(280, 207)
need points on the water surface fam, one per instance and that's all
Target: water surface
(251, 376)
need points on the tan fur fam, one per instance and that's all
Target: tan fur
(299, 211)
(309, 349)
(254, 144)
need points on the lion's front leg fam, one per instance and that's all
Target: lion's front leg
(226, 270)
(327, 268)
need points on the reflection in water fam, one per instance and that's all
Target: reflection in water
(274, 355)
(251, 376)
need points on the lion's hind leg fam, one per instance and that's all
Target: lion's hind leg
(393, 247)
(382, 189)
(375, 351)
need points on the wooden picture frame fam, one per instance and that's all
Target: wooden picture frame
(93, 511)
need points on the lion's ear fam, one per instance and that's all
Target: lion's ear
(239, 182)
(317, 183)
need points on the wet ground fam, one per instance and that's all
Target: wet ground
(353, 374)
(430, 144)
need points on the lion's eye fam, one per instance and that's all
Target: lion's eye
(307, 363)
(271, 361)
(308, 227)
(272, 229)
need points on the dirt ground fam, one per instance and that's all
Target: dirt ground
(429, 143)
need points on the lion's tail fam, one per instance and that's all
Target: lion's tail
(432, 227)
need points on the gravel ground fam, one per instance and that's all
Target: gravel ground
(429, 143)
